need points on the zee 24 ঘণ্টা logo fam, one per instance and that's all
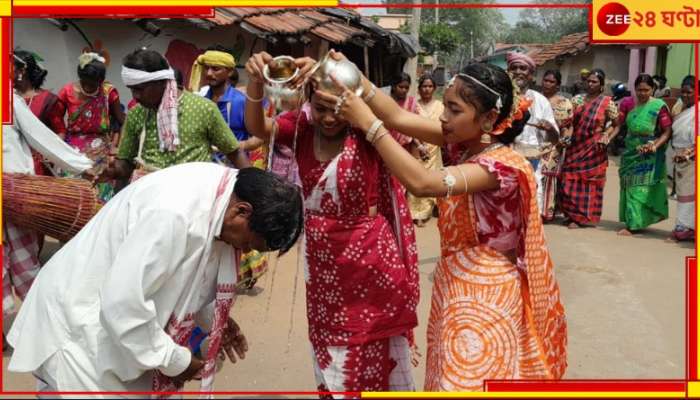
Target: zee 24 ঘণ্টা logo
(614, 19)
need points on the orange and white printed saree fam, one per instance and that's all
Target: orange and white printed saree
(495, 311)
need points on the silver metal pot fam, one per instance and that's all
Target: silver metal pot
(278, 73)
(344, 71)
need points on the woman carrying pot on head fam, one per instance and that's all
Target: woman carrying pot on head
(495, 311)
(359, 252)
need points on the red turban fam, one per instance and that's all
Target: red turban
(520, 58)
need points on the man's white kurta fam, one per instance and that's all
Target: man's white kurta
(106, 296)
(540, 109)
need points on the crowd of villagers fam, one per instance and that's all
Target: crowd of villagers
(494, 160)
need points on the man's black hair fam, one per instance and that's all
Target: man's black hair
(145, 60)
(277, 207)
(178, 78)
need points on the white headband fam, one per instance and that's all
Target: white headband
(133, 77)
(499, 102)
(19, 59)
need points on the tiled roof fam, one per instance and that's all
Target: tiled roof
(569, 45)
(290, 21)
(500, 48)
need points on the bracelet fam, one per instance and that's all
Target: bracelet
(372, 92)
(254, 100)
(449, 181)
(373, 129)
(379, 136)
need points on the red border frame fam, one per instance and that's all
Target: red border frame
(582, 385)
(7, 40)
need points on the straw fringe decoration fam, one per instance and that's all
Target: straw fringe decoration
(57, 207)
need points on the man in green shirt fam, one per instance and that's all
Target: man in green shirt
(168, 126)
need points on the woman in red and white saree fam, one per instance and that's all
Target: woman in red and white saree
(359, 250)
(495, 311)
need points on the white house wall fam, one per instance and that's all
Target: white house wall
(614, 60)
(60, 50)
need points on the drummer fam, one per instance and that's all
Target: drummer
(20, 258)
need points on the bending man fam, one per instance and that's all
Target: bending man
(118, 303)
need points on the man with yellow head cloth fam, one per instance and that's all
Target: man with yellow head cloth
(581, 87)
(214, 68)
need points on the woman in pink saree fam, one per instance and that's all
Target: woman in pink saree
(92, 106)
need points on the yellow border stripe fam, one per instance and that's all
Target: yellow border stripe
(200, 3)
(693, 389)
(536, 395)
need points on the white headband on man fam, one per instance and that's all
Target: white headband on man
(133, 77)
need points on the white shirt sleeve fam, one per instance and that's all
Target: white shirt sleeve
(150, 255)
(46, 142)
(548, 114)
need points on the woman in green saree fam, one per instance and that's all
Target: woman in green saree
(643, 197)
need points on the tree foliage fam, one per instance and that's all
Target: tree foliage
(526, 32)
(476, 30)
(483, 25)
(438, 38)
(547, 25)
